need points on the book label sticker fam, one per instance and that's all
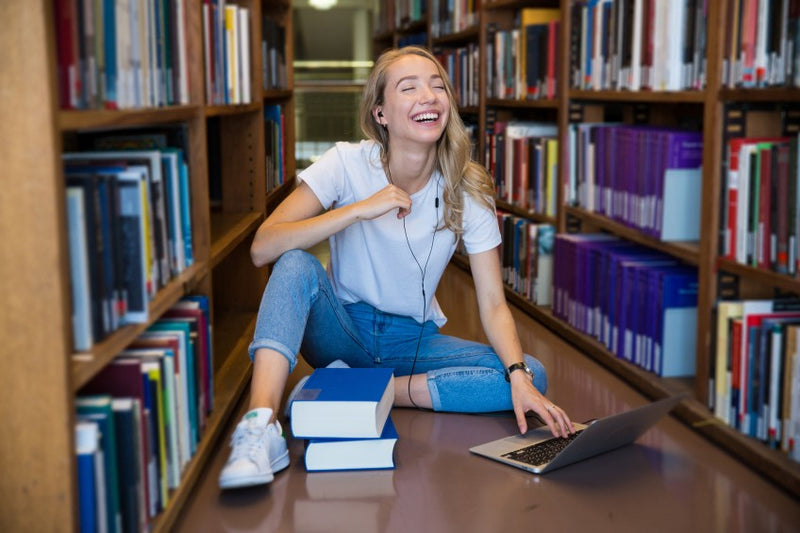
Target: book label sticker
(308, 394)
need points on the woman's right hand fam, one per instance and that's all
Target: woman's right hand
(383, 201)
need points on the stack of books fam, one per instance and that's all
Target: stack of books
(343, 413)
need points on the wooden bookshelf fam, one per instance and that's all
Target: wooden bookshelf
(706, 108)
(42, 372)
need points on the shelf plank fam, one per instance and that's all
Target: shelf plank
(770, 94)
(518, 211)
(69, 120)
(277, 94)
(230, 383)
(656, 97)
(687, 251)
(228, 230)
(414, 26)
(468, 34)
(517, 4)
(85, 365)
(522, 104)
(766, 277)
(225, 110)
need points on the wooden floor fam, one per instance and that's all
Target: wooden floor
(669, 480)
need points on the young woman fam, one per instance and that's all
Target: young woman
(393, 208)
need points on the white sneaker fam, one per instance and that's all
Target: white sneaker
(259, 450)
(287, 410)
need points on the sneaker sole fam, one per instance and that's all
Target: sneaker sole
(246, 481)
(250, 481)
(280, 463)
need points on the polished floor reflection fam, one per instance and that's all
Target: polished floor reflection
(669, 480)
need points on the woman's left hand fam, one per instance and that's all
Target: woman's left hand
(525, 397)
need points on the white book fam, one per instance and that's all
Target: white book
(635, 75)
(762, 28)
(230, 24)
(144, 44)
(245, 68)
(183, 71)
(82, 335)
(135, 80)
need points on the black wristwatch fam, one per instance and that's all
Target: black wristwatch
(518, 366)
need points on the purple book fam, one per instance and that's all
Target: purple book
(679, 149)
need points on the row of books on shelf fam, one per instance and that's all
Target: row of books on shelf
(463, 68)
(639, 303)
(526, 256)
(140, 419)
(118, 55)
(226, 53)
(406, 12)
(755, 370)
(344, 416)
(449, 17)
(759, 206)
(273, 55)
(762, 44)
(129, 227)
(522, 157)
(645, 177)
(521, 61)
(638, 45)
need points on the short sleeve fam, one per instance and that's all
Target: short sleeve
(326, 177)
(481, 232)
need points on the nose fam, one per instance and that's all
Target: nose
(426, 94)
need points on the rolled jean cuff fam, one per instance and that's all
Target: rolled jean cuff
(273, 345)
(436, 401)
(468, 389)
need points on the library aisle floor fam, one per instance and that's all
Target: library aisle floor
(671, 479)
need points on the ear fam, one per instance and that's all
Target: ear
(377, 114)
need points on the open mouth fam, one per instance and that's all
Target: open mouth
(426, 118)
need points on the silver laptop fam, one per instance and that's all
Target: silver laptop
(539, 452)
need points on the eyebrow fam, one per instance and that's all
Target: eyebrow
(415, 77)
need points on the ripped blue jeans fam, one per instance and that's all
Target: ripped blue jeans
(299, 312)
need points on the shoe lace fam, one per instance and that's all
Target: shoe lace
(247, 441)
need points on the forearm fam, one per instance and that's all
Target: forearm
(274, 238)
(500, 329)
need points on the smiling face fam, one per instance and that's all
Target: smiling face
(415, 105)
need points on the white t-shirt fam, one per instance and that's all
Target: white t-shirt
(370, 260)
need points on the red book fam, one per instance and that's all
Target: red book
(68, 58)
(552, 49)
(781, 210)
(203, 346)
(762, 250)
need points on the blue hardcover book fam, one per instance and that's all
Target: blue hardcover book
(201, 300)
(86, 446)
(353, 454)
(616, 308)
(97, 408)
(343, 403)
(631, 301)
(186, 212)
(676, 340)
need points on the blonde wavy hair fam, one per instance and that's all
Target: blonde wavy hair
(453, 152)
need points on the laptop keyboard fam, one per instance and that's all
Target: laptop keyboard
(541, 452)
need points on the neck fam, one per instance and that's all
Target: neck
(411, 170)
